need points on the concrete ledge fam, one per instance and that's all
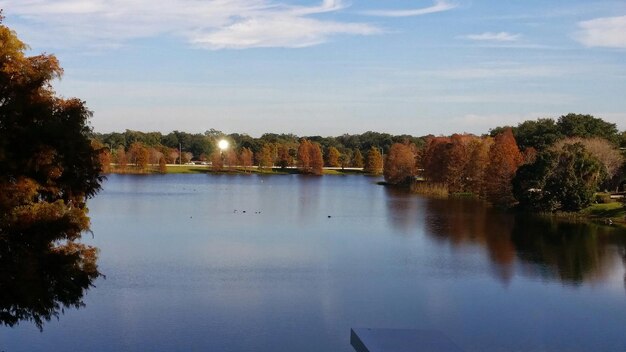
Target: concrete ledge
(400, 340)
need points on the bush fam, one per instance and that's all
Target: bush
(604, 198)
(430, 189)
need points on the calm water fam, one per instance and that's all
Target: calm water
(186, 272)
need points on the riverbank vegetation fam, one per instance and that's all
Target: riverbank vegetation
(543, 165)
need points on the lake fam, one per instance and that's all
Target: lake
(291, 263)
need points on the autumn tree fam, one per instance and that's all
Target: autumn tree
(155, 156)
(217, 160)
(264, 157)
(310, 158)
(504, 159)
(304, 156)
(399, 164)
(317, 159)
(139, 155)
(357, 159)
(435, 159)
(332, 158)
(231, 158)
(245, 158)
(476, 167)
(284, 157)
(104, 156)
(186, 157)
(172, 156)
(162, 165)
(456, 158)
(48, 166)
(374, 162)
(121, 159)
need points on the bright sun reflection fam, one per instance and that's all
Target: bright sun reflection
(223, 144)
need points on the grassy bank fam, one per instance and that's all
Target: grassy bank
(203, 169)
(614, 211)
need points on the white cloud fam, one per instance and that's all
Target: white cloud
(499, 72)
(215, 24)
(607, 32)
(438, 6)
(278, 31)
(493, 37)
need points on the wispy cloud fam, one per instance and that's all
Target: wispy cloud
(277, 31)
(609, 32)
(438, 6)
(493, 37)
(217, 24)
(499, 71)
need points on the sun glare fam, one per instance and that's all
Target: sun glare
(223, 144)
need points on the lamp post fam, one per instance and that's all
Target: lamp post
(223, 145)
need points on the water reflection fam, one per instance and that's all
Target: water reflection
(38, 284)
(541, 247)
(403, 211)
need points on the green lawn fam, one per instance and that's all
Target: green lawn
(614, 211)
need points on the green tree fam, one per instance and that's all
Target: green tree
(564, 179)
(538, 134)
(48, 166)
(587, 126)
(333, 157)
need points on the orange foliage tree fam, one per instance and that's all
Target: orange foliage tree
(264, 157)
(434, 159)
(399, 164)
(217, 161)
(504, 160)
(374, 162)
(121, 159)
(245, 158)
(310, 158)
(48, 169)
(317, 159)
(357, 159)
(139, 155)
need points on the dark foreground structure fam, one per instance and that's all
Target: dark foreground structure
(400, 340)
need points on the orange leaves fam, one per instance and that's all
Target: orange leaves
(399, 164)
(504, 160)
(310, 158)
(466, 163)
(374, 162)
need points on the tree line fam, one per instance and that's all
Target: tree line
(309, 154)
(542, 164)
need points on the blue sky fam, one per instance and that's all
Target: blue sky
(331, 67)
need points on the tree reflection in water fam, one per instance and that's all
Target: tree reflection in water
(38, 284)
(548, 248)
